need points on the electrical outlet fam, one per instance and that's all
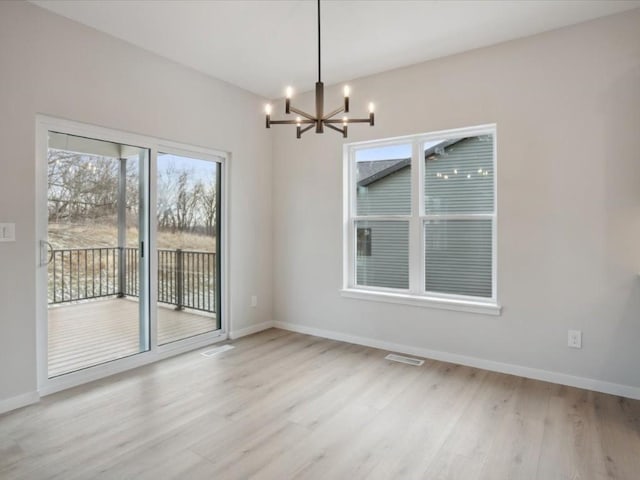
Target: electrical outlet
(254, 301)
(575, 339)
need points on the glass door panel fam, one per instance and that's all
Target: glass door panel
(97, 223)
(188, 246)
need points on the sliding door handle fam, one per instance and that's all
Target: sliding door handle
(48, 248)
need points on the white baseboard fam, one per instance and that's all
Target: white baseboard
(243, 332)
(527, 372)
(18, 401)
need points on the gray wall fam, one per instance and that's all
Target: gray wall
(567, 108)
(54, 66)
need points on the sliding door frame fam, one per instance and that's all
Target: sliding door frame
(209, 155)
(44, 124)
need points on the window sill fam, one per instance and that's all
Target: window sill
(487, 308)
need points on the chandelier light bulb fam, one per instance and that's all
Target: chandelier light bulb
(347, 90)
(298, 121)
(289, 92)
(371, 107)
(267, 109)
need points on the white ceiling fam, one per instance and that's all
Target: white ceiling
(265, 45)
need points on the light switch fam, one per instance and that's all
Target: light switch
(7, 232)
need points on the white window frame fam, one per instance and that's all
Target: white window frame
(416, 294)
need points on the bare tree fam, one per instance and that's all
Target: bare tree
(86, 187)
(81, 186)
(209, 208)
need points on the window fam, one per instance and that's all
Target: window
(420, 220)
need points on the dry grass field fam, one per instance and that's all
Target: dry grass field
(92, 235)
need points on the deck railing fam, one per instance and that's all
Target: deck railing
(186, 279)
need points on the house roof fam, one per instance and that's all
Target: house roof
(373, 170)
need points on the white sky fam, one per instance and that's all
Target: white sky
(390, 152)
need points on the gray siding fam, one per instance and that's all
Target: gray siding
(459, 252)
(388, 265)
(391, 195)
(458, 257)
(470, 157)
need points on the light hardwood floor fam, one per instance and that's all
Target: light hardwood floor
(283, 405)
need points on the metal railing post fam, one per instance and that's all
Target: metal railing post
(122, 272)
(122, 227)
(179, 280)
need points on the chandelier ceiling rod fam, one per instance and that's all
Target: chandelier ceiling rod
(319, 120)
(319, 43)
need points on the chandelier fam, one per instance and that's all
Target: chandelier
(320, 120)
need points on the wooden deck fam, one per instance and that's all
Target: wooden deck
(91, 333)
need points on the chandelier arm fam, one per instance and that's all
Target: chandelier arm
(302, 130)
(334, 113)
(304, 114)
(349, 120)
(332, 127)
(291, 122)
(343, 131)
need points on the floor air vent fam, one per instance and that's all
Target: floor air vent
(402, 359)
(217, 350)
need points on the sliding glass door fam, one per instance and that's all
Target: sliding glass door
(131, 250)
(96, 272)
(188, 243)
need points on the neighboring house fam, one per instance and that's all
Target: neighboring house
(458, 180)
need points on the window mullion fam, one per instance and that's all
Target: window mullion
(448, 216)
(416, 265)
(387, 218)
